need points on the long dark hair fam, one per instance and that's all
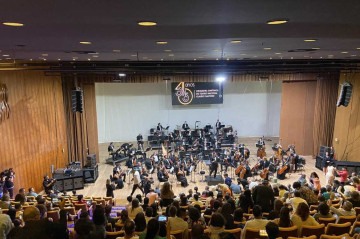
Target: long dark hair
(303, 211)
(284, 217)
(140, 222)
(152, 229)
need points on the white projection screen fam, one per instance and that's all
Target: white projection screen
(126, 109)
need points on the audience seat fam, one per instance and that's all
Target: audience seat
(114, 235)
(324, 236)
(337, 229)
(326, 221)
(357, 210)
(54, 214)
(313, 230)
(236, 232)
(253, 234)
(286, 232)
(309, 237)
(344, 219)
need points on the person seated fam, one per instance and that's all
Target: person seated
(272, 230)
(129, 229)
(296, 200)
(5, 201)
(216, 225)
(195, 217)
(160, 175)
(175, 222)
(239, 215)
(196, 201)
(302, 217)
(323, 212)
(345, 210)
(140, 222)
(31, 192)
(135, 208)
(182, 179)
(257, 223)
(226, 212)
(109, 219)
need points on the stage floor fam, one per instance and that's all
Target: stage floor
(105, 170)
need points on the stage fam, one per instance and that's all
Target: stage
(105, 170)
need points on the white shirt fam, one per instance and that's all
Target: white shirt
(253, 185)
(137, 178)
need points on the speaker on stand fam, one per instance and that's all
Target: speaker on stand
(345, 94)
(77, 104)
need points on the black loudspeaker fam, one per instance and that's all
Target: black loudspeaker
(345, 94)
(77, 104)
(323, 150)
(91, 161)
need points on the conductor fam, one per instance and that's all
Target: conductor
(214, 166)
(218, 126)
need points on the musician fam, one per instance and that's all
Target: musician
(217, 126)
(248, 170)
(214, 166)
(181, 177)
(159, 127)
(125, 147)
(111, 148)
(117, 172)
(48, 184)
(167, 163)
(149, 164)
(261, 142)
(140, 142)
(161, 176)
(228, 180)
(185, 126)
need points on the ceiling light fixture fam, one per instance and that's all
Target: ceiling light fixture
(277, 21)
(235, 41)
(117, 51)
(6, 55)
(267, 48)
(122, 74)
(147, 23)
(277, 53)
(344, 52)
(310, 40)
(85, 42)
(161, 42)
(315, 48)
(220, 79)
(167, 50)
(13, 24)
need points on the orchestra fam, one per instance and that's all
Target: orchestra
(183, 158)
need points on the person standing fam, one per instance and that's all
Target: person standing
(137, 181)
(263, 196)
(214, 167)
(110, 187)
(330, 174)
(343, 174)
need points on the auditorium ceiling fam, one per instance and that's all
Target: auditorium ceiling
(185, 30)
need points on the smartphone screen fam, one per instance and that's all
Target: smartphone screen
(162, 218)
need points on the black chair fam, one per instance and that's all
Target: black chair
(88, 177)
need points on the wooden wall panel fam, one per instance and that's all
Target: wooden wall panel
(297, 115)
(33, 138)
(347, 123)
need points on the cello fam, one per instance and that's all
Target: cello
(264, 173)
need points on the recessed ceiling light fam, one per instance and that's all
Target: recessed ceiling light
(13, 24)
(316, 48)
(216, 50)
(243, 54)
(161, 59)
(310, 40)
(93, 53)
(167, 50)
(134, 55)
(267, 48)
(116, 51)
(45, 54)
(277, 53)
(59, 59)
(344, 52)
(235, 41)
(95, 56)
(44, 59)
(161, 42)
(277, 21)
(171, 54)
(353, 55)
(30, 59)
(217, 59)
(8, 58)
(85, 42)
(6, 55)
(89, 59)
(358, 48)
(147, 23)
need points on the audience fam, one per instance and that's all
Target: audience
(140, 222)
(216, 225)
(323, 212)
(284, 218)
(135, 208)
(176, 222)
(302, 217)
(257, 223)
(166, 195)
(272, 230)
(152, 231)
